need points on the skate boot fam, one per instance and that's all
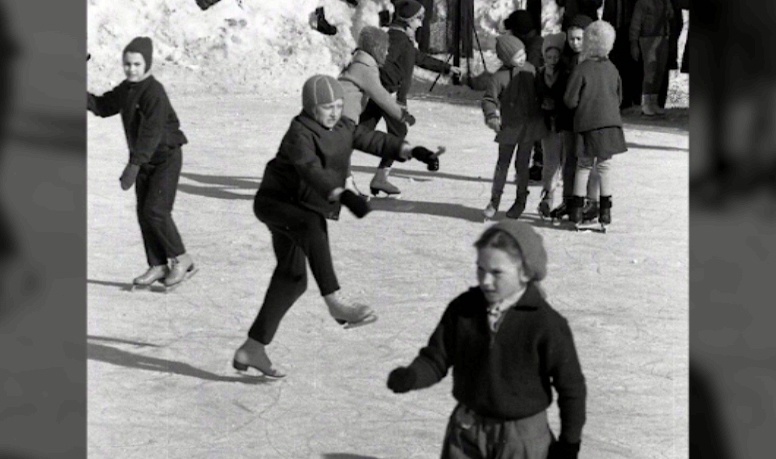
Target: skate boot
(518, 207)
(380, 183)
(575, 204)
(318, 22)
(561, 211)
(590, 210)
(545, 205)
(182, 269)
(153, 274)
(252, 355)
(349, 314)
(350, 184)
(491, 208)
(605, 213)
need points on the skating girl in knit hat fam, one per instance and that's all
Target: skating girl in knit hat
(301, 188)
(153, 133)
(508, 348)
(512, 110)
(594, 92)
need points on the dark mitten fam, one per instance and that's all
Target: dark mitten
(563, 450)
(406, 117)
(426, 156)
(129, 176)
(402, 380)
(355, 203)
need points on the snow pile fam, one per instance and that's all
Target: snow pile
(264, 47)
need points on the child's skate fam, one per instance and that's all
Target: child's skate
(183, 269)
(490, 210)
(605, 213)
(380, 184)
(559, 212)
(582, 224)
(148, 278)
(349, 315)
(590, 211)
(518, 207)
(545, 205)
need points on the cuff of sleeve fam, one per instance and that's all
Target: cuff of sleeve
(336, 193)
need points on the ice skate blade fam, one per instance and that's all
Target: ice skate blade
(596, 227)
(365, 321)
(379, 193)
(271, 373)
(189, 275)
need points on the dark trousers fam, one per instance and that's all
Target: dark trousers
(298, 235)
(372, 115)
(631, 72)
(155, 190)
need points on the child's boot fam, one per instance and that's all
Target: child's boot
(348, 314)
(575, 204)
(182, 268)
(562, 210)
(590, 210)
(518, 207)
(605, 213)
(545, 205)
(252, 355)
(380, 183)
(491, 208)
(153, 274)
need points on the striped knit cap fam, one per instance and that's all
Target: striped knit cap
(320, 89)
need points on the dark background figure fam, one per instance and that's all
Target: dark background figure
(618, 13)
(572, 8)
(676, 25)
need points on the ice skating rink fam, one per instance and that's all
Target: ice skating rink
(159, 365)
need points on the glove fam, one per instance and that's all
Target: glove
(426, 156)
(355, 203)
(494, 123)
(129, 176)
(402, 380)
(407, 118)
(634, 49)
(563, 450)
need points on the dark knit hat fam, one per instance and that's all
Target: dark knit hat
(144, 46)
(519, 22)
(507, 46)
(580, 21)
(531, 245)
(407, 9)
(374, 40)
(320, 89)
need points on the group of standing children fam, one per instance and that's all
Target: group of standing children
(572, 108)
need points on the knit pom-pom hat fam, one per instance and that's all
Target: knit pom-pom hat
(320, 89)
(144, 46)
(374, 41)
(407, 9)
(507, 46)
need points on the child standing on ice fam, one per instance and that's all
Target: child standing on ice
(153, 133)
(301, 188)
(508, 348)
(512, 110)
(595, 92)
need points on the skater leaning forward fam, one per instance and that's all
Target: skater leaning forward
(508, 348)
(154, 138)
(301, 188)
(595, 92)
(512, 110)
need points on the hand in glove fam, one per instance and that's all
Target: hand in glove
(634, 49)
(494, 123)
(563, 450)
(402, 380)
(430, 158)
(355, 203)
(129, 176)
(406, 117)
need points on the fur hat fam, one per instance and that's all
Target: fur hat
(407, 9)
(531, 245)
(519, 22)
(599, 39)
(507, 46)
(554, 40)
(374, 41)
(320, 89)
(144, 46)
(580, 21)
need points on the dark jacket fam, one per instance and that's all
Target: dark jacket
(594, 91)
(312, 161)
(572, 8)
(511, 97)
(619, 18)
(554, 93)
(507, 374)
(396, 73)
(652, 18)
(150, 123)
(533, 48)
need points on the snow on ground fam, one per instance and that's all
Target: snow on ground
(160, 381)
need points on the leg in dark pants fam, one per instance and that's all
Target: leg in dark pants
(155, 190)
(372, 115)
(298, 235)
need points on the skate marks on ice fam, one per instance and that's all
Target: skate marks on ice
(114, 355)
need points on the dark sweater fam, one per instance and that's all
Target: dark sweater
(507, 375)
(396, 73)
(150, 123)
(594, 90)
(312, 161)
(555, 93)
